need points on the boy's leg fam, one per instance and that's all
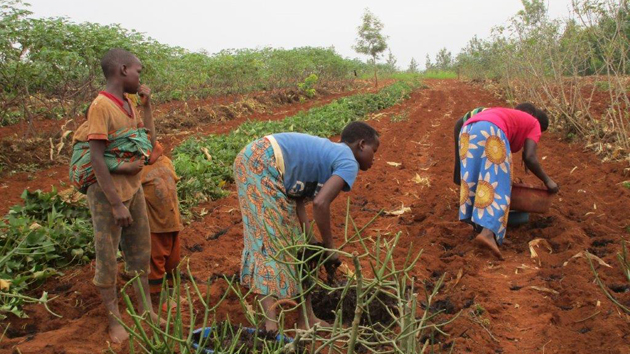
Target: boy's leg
(174, 257)
(160, 248)
(106, 239)
(136, 245)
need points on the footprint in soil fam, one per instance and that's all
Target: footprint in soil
(542, 223)
(591, 233)
(195, 248)
(599, 252)
(445, 306)
(447, 246)
(601, 243)
(61, 288)
(29, 330)
(620, 288)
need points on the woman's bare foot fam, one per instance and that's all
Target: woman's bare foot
(117, 332)
(271, 326)
(486, 239)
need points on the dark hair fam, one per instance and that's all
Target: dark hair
(539, 114)
(357, 131)
(115, 57)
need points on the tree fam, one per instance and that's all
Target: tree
(391, 62)
(371, 41)
(444, 60)
(413, 66)
(427, 63)
(534, 12)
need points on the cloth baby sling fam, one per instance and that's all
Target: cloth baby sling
(124, 145)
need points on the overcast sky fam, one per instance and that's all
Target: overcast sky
(415, 28)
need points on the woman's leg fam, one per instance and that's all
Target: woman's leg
(271, 315)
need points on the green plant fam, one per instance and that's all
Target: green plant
(626, 184)
(411, 330)
(602, 86)
(478, 309)
(401, 117)
(36, 240)
(308, 86)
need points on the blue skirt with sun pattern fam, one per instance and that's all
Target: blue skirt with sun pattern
(486, 182)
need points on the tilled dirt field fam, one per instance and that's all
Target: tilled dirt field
(550, 304)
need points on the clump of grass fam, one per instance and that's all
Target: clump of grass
(401, 117)
(602, 86)
(476, 315)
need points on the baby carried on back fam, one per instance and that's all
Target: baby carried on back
(123, 146)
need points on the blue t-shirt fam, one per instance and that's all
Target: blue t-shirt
(309, 162)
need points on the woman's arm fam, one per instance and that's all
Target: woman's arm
(531, 162)
(302, 216)
(321, 207)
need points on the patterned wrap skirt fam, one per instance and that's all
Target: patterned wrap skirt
(270, 223)
(486, 182)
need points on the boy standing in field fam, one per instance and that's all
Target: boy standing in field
(159, 183)
(116, 201)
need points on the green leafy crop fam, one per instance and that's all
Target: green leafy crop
(203, 177)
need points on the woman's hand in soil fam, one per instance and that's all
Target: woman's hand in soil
(145, 95)
(332, 258)
(122, 216)
(552, 186)
(331, 265)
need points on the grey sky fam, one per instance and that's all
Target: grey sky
(415, 28)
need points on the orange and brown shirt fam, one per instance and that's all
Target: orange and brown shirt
(159, 183)
(107, 115)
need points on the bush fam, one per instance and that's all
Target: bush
(51, 66)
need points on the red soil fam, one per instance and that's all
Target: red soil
(589, 213)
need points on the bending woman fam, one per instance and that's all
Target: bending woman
(485, 143)
(275, 176)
